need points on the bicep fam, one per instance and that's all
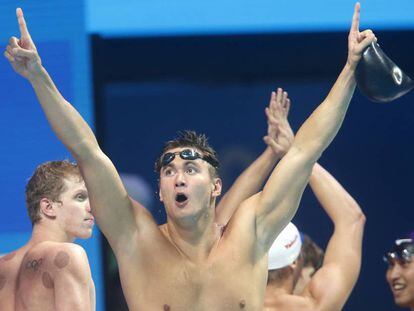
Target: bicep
(332, 297)
(340, 269)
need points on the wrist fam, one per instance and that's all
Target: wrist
(36, 74)
(351, 65)
(272, 155)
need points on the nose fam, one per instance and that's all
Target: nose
(180, 180)
(394, 272)
(88, 206)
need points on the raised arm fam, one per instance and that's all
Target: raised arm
(109, 200)
(279, 138)
(342, 259)
(278, 202)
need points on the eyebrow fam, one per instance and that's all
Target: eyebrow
(83, 191)
(192, 162)
(169, 165)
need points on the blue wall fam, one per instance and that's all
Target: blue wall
(160, 17)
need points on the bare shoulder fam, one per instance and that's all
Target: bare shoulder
(245, 212)
(9, 266)
(10, 262)
(243, 221)
(9, 258)
(240, 231)
(60, 257)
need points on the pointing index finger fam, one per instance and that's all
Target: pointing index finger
(355, 18)
(22, 24)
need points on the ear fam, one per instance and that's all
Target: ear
(217, 183)
(47, 208)
(160, 195)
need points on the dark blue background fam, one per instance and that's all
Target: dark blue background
(220, 85)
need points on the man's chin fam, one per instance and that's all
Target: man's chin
(85, 235)
(404, 302)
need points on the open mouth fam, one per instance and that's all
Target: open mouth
(181, 198)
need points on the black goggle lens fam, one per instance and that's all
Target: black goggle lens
(403, 257)
(186, 154)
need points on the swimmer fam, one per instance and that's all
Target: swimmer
(400, 272)
(191, 263)
(330, 286)
(50, 272)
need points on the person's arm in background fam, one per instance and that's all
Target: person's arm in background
(342, 261)
(279, 138)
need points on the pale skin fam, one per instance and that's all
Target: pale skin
(400, 278)
(187, 264)
(342, 264)
(50, 272)
(330, 287)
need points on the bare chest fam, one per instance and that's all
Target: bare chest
(229, 282)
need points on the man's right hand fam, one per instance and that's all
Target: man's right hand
(358, 41)
(22, 53)
(279, 134)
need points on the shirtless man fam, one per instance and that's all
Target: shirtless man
(186, 264)
(50, 272)
(331, 285)
(400, 272)
(287, 271)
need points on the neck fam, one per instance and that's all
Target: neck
(196, 240)
(44, 232)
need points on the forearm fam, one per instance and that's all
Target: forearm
(246, 185)
(65, 121)
(321, 127)
(340, 206)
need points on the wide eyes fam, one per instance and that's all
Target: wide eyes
(190, 170)
(168, 172)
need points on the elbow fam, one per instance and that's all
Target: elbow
(362, 218)
(358, 217)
